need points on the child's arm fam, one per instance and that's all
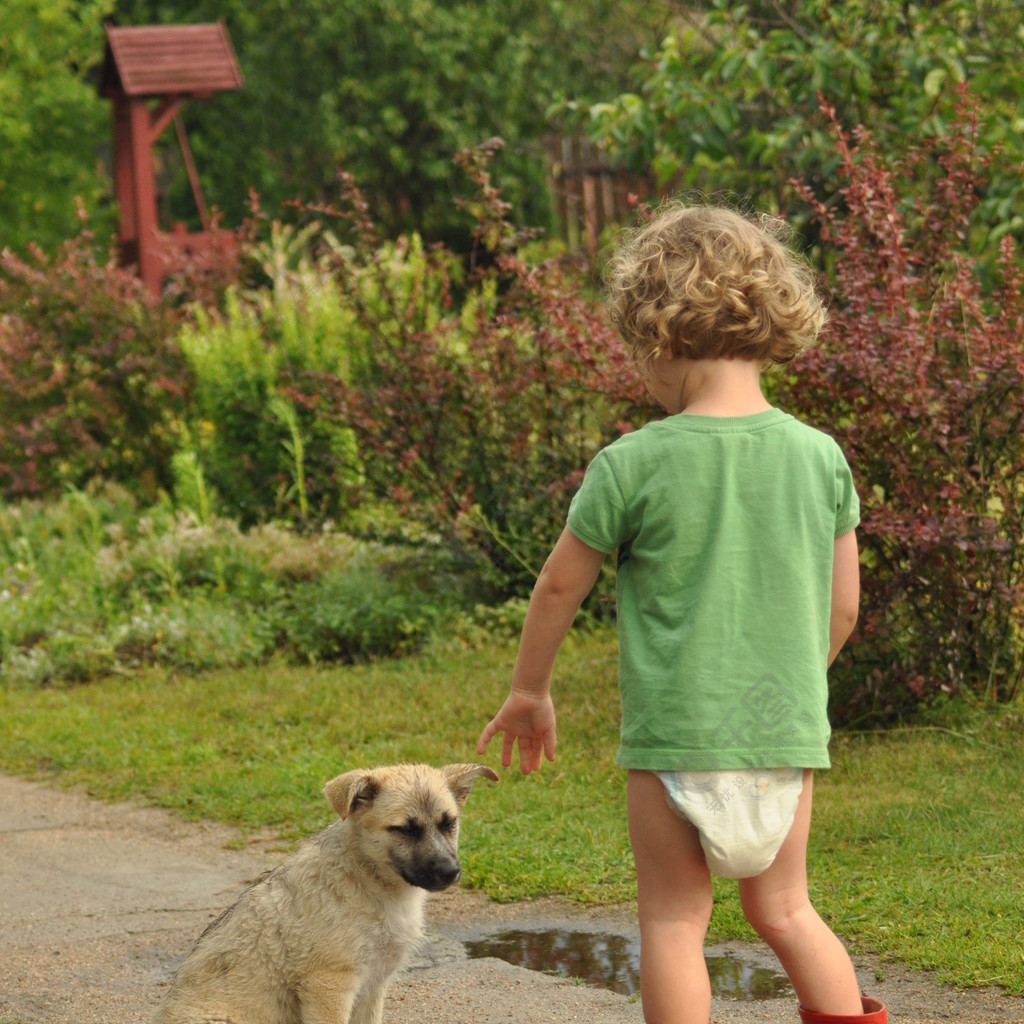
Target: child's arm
(528, 714)
(845, 593)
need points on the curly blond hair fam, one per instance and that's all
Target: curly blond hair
(705, 282)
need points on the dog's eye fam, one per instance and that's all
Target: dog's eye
(411, 830)
(447, 824)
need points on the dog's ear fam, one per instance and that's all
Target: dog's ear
(346, 793)
(460, 778)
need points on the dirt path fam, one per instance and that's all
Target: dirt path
(99, 902)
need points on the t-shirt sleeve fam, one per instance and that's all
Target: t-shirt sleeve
(847, 502)
(598, 514)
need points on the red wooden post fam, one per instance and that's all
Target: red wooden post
(144, 197)
(127, 231)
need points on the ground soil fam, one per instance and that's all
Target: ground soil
(99, 902)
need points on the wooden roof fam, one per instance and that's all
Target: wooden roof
(162, 60)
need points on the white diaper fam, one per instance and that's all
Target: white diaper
(743, 815)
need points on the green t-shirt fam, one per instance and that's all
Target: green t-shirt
(725, 528)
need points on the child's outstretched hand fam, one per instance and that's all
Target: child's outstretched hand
(527, 720)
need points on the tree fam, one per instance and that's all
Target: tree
(729, 101)
(52, 122)
(389, 91)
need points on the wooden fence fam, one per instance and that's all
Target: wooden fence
(590, 194)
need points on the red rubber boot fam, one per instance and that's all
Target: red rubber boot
(874, 1013)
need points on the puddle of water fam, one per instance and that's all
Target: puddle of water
(613, 962)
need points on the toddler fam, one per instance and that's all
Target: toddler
(737, 585)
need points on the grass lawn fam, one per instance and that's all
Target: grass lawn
(917, 850)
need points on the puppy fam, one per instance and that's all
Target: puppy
(317, 940)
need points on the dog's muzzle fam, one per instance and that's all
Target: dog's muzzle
(434, 876)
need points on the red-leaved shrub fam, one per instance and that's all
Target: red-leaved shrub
(484, 421)
(921, 379)
(92, 383)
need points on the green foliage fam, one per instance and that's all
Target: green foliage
(729, 101)
(51, 120)
(266, 434)
(90, 586)
(353, 615)
(258, 433)
(90, 380)
(385, 89)
(388, 90)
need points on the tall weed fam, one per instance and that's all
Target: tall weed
(257, 430)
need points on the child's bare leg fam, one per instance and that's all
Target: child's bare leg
(674, 898)
(776, 903)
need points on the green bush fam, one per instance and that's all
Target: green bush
(352, 616)
(90, 585)
(197, 632)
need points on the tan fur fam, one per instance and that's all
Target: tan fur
(316, 940)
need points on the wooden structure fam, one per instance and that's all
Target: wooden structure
(149, 72)
(590, 194)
